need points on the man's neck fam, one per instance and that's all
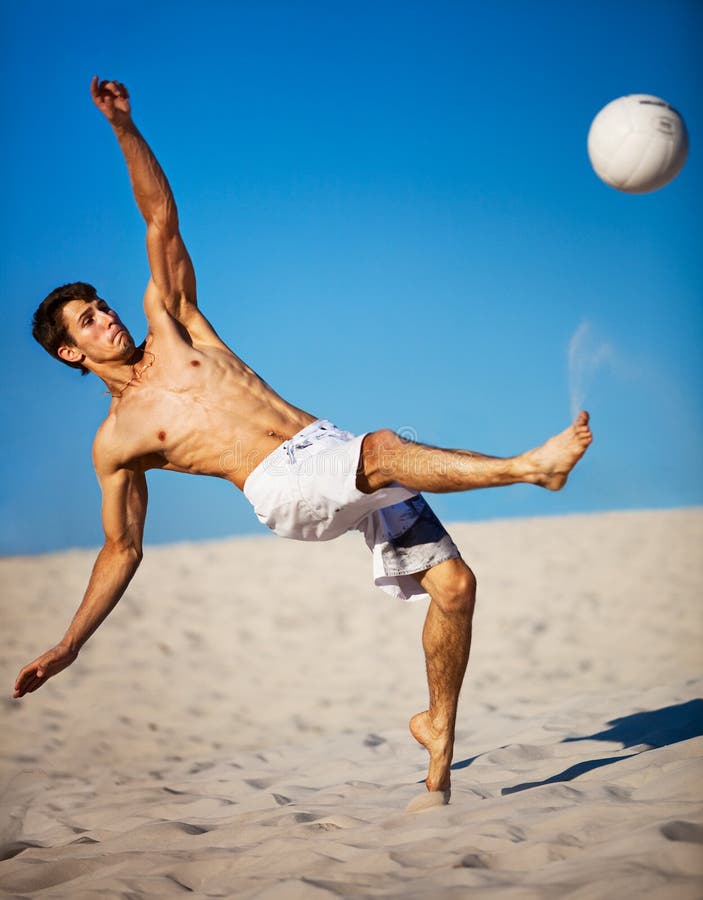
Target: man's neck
(118, 377)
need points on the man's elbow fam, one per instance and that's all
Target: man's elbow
(129, 551)
(163, 218)
(136, 555)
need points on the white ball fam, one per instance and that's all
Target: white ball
(637, 143)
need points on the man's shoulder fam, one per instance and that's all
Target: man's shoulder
(112, 448)
(178, 319)
(119, 443)
(106, 446)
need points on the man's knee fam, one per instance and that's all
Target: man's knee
(452, 586)
(378, 460)
(459, 594)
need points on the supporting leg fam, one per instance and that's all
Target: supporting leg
(446, 640)
(388, 458)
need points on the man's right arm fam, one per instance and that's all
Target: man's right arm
(172, 286)
(124, 512)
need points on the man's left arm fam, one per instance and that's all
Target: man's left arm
(172, 285)
(123, 513)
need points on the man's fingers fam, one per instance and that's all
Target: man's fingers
(44, 667)
(37, 679)
(103, 91)
(23, 682)
(30, 678)
(106, 93)
(29, 685)
(25, 674)
(97, 90)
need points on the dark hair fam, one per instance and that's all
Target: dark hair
(48, 326)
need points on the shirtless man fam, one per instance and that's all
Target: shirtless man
(183, 401)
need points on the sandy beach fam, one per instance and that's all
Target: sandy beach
(238, 726)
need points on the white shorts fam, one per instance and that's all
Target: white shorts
(306, 490)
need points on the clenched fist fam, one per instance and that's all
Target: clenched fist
(112, 99)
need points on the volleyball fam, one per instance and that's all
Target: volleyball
(637, 143)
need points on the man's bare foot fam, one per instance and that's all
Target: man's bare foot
(440, 745)
(428, 800)
(550, 464)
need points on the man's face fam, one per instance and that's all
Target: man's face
(96, 330)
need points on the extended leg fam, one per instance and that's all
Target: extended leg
(387, 458)
(446, 640)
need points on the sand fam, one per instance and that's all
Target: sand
(238, 726)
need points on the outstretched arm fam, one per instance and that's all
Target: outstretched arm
(172, 285)
(124, 512)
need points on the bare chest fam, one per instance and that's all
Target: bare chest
(185, 415)
(197, 412)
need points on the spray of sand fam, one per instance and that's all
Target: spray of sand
(587, 353)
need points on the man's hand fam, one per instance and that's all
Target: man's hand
(112, 99)
(43, 668)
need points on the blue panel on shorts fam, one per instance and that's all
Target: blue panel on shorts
(415, 538)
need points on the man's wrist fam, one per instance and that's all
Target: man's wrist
(71, 643)
(123, 126)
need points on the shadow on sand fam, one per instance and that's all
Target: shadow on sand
(648, 730)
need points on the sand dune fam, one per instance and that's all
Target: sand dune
(238, 727)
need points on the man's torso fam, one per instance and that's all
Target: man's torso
(197, 409)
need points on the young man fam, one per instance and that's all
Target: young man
(183, 401)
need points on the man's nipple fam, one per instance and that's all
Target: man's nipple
(162, 435)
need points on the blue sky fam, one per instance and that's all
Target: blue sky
(393, 219)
